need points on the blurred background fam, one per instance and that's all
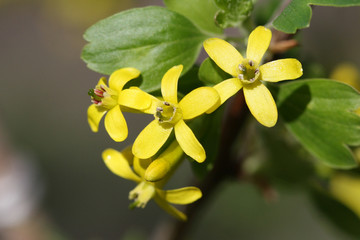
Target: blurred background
(47, 146)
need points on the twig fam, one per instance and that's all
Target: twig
(225, 165)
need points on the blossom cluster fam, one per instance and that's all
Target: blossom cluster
(147, 161)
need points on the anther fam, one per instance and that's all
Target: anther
(135, 196)
(166, 103)
(159, 109)
(252, 79)
(251, 63)
(95, 102)
(98, 93)
(256, 71)
(241, 76)
(102, 87)
(242, 68)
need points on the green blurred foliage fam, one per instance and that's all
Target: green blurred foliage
(43, 108)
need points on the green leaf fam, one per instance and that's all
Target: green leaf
(320, 113)
(298, 13)
(200, 12)
(233, 12)
(286, 162)
(151, 39)
(208, 130)
(337, 213)
(264, 12)
(210, 74)
(189, 81)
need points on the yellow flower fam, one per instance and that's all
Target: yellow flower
(169, 115)
(165, 164)
(347, 73)
(110, 98)
(247, 73)
(125, 165)
(346, 189)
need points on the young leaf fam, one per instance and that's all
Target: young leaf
(151, 39)
(298, 13)
(320, 113)
(200, 12)
(210, 74)
(233, 12)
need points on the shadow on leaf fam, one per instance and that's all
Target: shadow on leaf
(294, 105)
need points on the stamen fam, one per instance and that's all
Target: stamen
(94, 96)
(166, 103)
(159, 110)
(134, 196)
(98, 93)
(249, 71)
(95, 102)
(242, 68)
(102, 87)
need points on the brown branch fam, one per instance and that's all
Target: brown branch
(225, 165)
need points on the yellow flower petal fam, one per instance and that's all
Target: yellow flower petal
(151, 109)
(224, 55)
(94, 114)
(119, 164)
(128, 155)
(120, 77)
(102, 81)
(258, 43)
(226, 89)
(261, 103)
(279, 70)
(188, 142)
(357, 111)
(169, 209)
(182, 196)
(157, 170)
(161, 166)
(347, 73)
(347, 190)
(140, 166)
(151, 139)
(115, 124)
(135, 98)
(169, 84)
(198, 102)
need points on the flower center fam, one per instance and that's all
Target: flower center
(248, 71)
(143, 192)
(103, 96)
(167, 113)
